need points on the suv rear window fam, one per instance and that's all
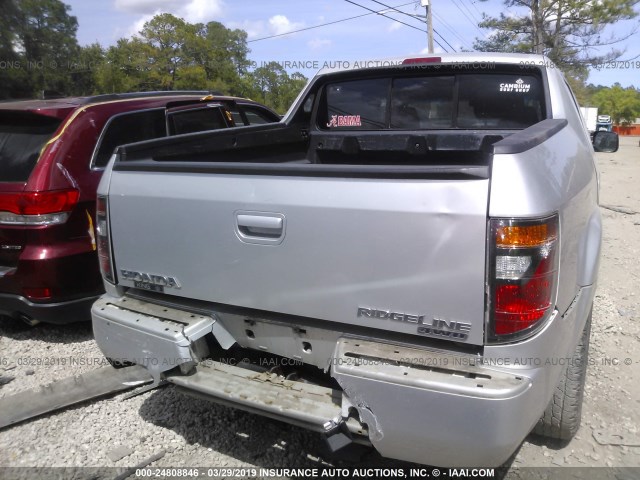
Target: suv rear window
(196, 120)
(443, 101)
(258, 116)
(255, 116)
(22, 137)
(129, 128)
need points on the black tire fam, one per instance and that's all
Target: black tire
(117, 364)
(561, 419)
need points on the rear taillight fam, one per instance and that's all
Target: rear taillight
(39, 293)
(37, 208)
(523, 276)
(103, 239)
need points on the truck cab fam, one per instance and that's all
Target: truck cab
(604, 123)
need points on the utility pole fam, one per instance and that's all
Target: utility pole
(427, 5)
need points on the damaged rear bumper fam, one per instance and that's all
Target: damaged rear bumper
(433, 408)
(412, 404)
(305, 405)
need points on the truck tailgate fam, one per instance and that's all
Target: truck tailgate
(392, 254)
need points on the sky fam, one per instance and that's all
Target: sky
(370, 36)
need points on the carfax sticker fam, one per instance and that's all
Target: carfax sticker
(519, 87)
(345, 121)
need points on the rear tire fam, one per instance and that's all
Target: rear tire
(117, 364)
(561, 419)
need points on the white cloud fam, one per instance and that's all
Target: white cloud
(202, 10)
(279, 24)
(318, 43)
(254, 28)
(394, 26)
(148, 6)
(193, 11)
(276, 25)
(139, 24)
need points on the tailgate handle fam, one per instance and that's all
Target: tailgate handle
(263, 226)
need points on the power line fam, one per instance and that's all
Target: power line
(446, 25)
(452, 30)
(413, 17)
(464, 4)
(395, 20)
(467, 17)
(474, 6)
(471, 20)
(322, 24)
(382, 14)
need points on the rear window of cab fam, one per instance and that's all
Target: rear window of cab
(447, 101)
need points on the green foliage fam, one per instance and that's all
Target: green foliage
(39, 38)
(579, 89)
(83, 71)
(623, 104)
(8, 22)
(567, 31)
(125, 68)
(191, 77)
(164, 37)
(39, 52)
(275, 87)
(13, 78)
(172, 54)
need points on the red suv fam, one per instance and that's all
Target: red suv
(52, 154)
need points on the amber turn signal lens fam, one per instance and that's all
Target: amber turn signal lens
(528, 236)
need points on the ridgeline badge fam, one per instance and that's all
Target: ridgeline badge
(432, 328)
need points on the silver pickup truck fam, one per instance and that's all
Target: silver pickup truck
(408, 259)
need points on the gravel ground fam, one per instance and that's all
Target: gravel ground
(187, 433)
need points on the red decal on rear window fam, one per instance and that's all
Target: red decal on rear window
(345, 121)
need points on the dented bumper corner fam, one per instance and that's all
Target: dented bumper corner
(155, 337)
(435, 408)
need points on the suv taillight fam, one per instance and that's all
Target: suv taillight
(104, 239)
(523, 276)
(37, 208)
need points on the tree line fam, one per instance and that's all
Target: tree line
(40, 55)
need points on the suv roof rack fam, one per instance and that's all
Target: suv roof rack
(123, 96)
